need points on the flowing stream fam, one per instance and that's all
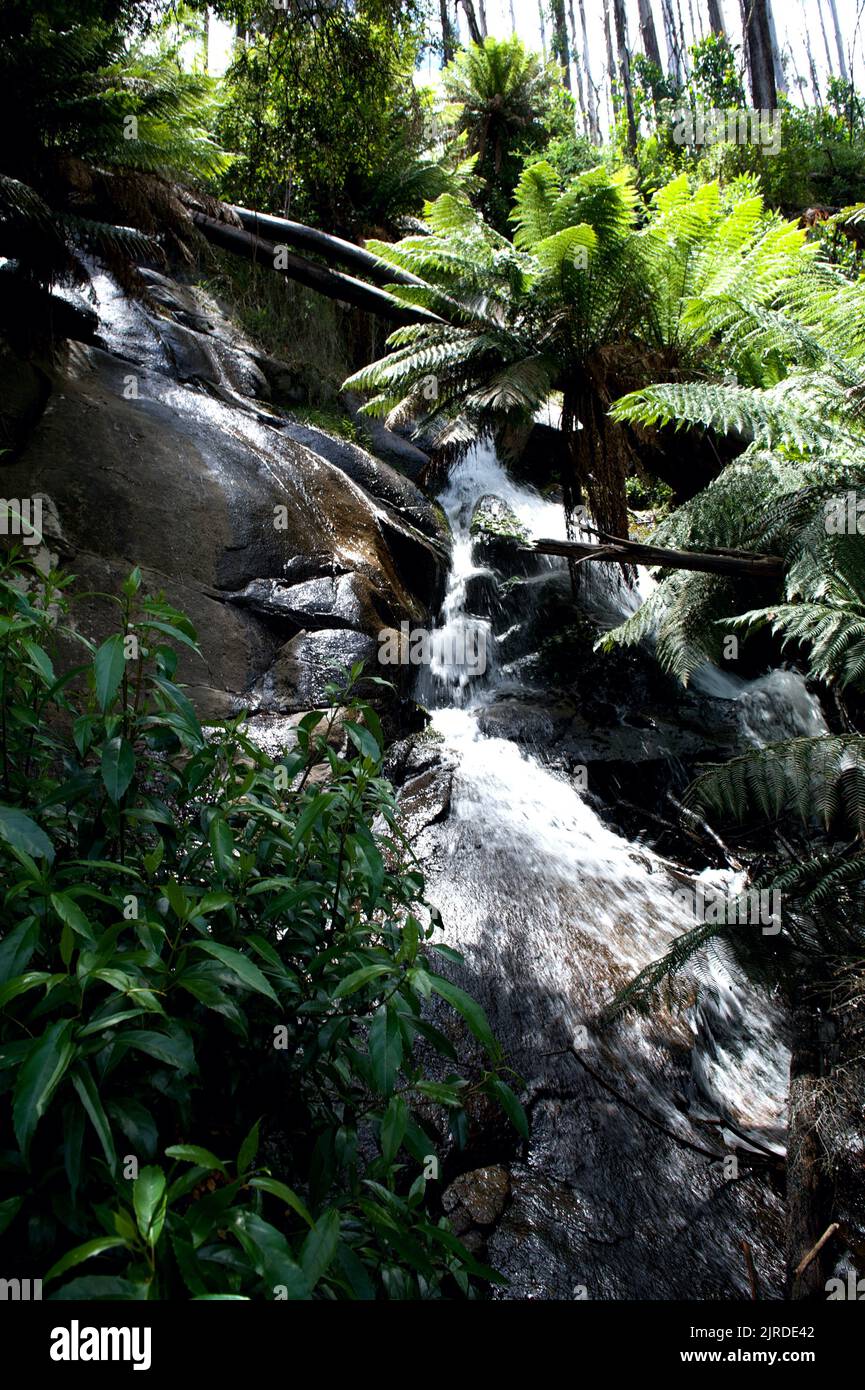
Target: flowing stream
(625, 1187)
(553, 911)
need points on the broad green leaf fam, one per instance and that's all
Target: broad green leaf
(510, 1104)
(470, 1011)
(363, 741)
(88, 1094)
(174, 1049)
(102, 1288)
(71, 915)
(22, 833)
(41, 1072)
(108, 666)
(285, 1194)
(118, 765)
(385, 1049)
(358, 978)
(245, 969)
(248, 1150)
(22, 983)
(17, 947)
(222, 845)
(393, 1128)
(319, 1247)
(192, 1153)
(213, 902)
(82, 1253)
(270, 1255)
(310, 815)
(148, 1199)
(8, 1211)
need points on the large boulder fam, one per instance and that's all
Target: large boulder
(153, 450)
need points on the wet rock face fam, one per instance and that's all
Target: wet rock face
(498, 535)
(475, 1201)
(376, 477)
(289, 550)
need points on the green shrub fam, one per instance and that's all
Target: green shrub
(212, 976)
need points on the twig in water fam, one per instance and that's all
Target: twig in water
(707, 830)
(815, 1249)
(752, 1273)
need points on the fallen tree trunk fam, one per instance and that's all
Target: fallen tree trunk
(331, 283)
(331, 248)
(730, 562)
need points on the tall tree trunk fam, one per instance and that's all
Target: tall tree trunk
(331, 283)
(716, 17)
(612, 93)
(674, 52)
(543, 27)
(449, 35)
(815, 80)
(591, 89)
(683, 42)
(739, 563)
(830, 66)
(578, 69)
(649, 34)
(475, 33)
(621, 19)
(482, 20)
(801, 82)
(842, 60)
(757, 42)
(780, 76)
(695, 34)
(513, 17)
(561, 46)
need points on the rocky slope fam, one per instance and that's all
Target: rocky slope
(159, 444)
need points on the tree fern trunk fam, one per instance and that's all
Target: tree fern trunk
(808, 1190)
(826, 1129)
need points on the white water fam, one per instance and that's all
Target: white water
(554, 911)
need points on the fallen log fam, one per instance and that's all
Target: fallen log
(331, 248)
(331, 283)
(637, 553)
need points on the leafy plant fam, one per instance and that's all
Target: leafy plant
(584, 301)
(213, 975)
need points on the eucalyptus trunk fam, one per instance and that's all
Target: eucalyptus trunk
(716, 17)
(621, 20)
(449, 35)
(649, 34)
(591, 89)
(842, 60)
(759, 57)
(561, 46)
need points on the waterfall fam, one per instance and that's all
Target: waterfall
(553, 912)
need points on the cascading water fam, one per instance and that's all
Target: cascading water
(615, 1192)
